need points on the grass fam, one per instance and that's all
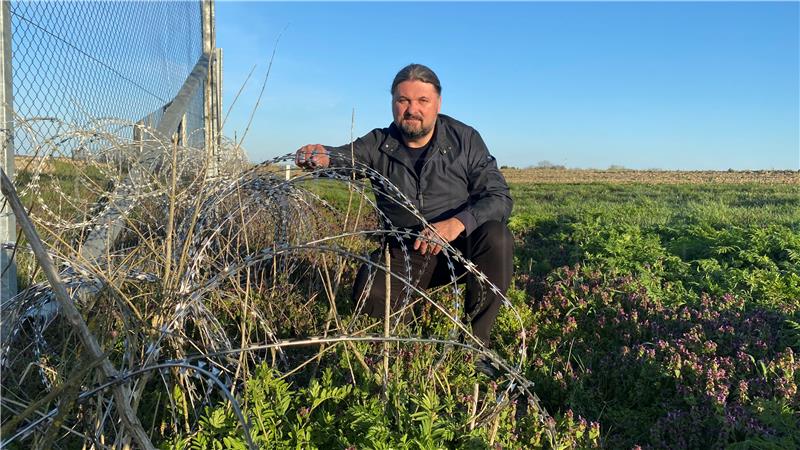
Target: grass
(648, 205)
(662, 316)
(620, 277)
(657, 315)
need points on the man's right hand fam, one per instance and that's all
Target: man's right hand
(312, 156)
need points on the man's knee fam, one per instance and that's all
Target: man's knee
(492, 250)
(496, 236)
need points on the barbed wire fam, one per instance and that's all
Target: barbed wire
(212, 273)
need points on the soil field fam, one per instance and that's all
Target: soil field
(536, 175)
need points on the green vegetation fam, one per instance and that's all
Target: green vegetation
(69, 186)
(661, 316)
(670, 314)
(680, 241)
(657, 316)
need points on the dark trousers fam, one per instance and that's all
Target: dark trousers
(490, 247)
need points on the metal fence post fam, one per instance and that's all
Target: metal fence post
(217, 77)
(182, 137)
(8, 224)
(209, 103)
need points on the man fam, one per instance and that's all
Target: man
(445, 169)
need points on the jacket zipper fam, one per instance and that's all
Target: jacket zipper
(419, 177)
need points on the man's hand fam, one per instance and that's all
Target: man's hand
(312, 156)
(448, 229)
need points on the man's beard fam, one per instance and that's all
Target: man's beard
(410, 132)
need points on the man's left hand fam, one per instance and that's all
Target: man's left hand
(448, 230)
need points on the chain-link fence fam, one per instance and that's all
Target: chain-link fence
(82, 81)
(84, 62)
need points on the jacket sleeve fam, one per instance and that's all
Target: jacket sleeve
(359, 151)
(489, 197)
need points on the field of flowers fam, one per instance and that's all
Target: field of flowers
(657, 316)
(668, 314)
(660, 316)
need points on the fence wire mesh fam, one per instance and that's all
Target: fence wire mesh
(85, 62)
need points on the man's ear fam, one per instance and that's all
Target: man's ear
(439, 109)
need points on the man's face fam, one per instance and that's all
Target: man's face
(415, 106)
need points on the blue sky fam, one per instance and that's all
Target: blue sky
(679, 85)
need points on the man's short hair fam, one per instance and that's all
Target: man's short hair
(417, 72)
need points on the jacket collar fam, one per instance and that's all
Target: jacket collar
(442, 143)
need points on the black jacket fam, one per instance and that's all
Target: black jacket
(460, 176)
